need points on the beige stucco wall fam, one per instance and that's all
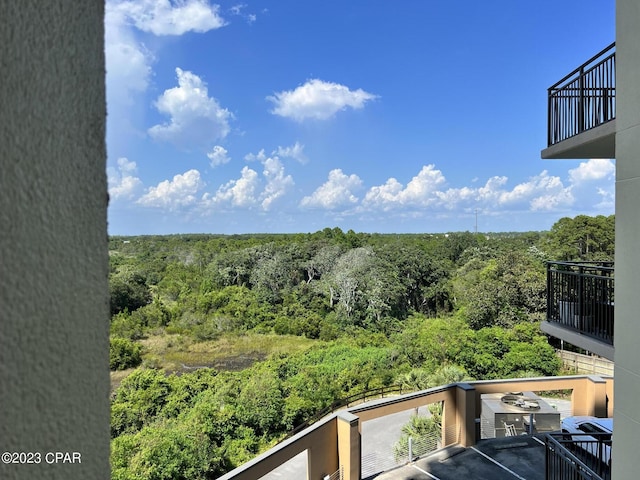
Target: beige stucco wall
(626, 462)
(54, 380)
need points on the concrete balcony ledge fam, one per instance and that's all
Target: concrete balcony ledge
(598, 142)
(576, 338)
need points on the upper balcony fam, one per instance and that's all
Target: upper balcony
(581, 110)
(580, 305)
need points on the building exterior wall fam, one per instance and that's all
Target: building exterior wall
(54, 316)
(627, 322)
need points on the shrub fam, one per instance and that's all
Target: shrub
(124, 353)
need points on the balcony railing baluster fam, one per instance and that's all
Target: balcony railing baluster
(584, 99)
(580, 297)
(578, 456)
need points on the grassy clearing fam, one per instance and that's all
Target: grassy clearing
(230, 352)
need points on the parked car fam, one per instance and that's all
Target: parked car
(591, 435)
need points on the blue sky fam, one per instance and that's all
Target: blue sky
(377, 116)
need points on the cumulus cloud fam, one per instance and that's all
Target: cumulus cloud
(540, 192)
(336, 192)
(586, 188)
(594, 169)
(164, 17)
(240, 192)
(277, 182)
(317, 99)
(594, 179)
(261, 156)
(607, 198)
(122, 180)
(174, 194)
(128, 62)
(218, 156)
(420, 191)
(295, 151)
(543, 192)
(196, 120)
(250, 190)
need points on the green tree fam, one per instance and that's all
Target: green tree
(260, 402)
(165, 451)
(425, 433)
(128, 291)
(124, 353)
(583, 238)
(502, 291)
(139, 400)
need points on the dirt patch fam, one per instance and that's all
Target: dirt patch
(239, 362)
(234, 363)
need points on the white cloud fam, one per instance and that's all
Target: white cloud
(277, 182)
(250, 190)
(218, 156)
(318, 99)
(594, 179)
(128, 62)
(174, 194)
(239, 11)
(588, 188)
(164, 17)
(261, 156)
(420, 191)
(240, 192)
(608, 198)
(594, 169)
(295, 151)
(122, 180)
(197, 120)
(541, 192)
(335, 193)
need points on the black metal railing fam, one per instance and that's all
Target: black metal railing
(584, 99)
(578, 456)
(580, 296)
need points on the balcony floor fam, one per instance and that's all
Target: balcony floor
(598, 142)
(573, 337)
(498, 458)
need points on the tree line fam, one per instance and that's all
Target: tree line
(379, 310)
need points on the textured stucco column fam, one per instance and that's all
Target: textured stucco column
(626, 463)
(465, 417)
(589, 397)
(349, 445)
(322, 456)
(54, 316)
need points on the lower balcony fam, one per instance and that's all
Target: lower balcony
(472, 442)
(583, 456)
(580, 305)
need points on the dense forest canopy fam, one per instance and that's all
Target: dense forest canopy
(305, 319)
